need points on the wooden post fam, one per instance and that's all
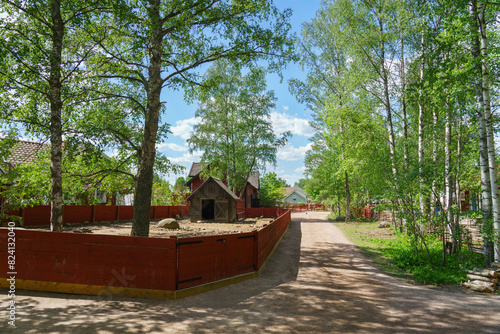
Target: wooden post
(117, 212)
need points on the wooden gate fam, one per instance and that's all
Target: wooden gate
(207, 259)
(221, 210)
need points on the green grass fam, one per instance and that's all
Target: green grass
(394, 253)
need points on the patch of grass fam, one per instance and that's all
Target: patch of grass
(393, 252)
(372, 240)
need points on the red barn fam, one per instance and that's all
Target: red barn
(248, 196)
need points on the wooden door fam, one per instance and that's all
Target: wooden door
(221, 210)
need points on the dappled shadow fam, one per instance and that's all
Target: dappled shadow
(314, 282)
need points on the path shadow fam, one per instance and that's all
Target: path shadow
(327, 287)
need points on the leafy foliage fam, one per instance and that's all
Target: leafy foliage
(235, 131)
(271, 190)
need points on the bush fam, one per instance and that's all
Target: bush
(415, 260)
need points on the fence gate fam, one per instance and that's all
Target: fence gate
(207, 259)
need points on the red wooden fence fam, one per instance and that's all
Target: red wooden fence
(39, 215)
(167, 264)
(270, 235)
(106, 260)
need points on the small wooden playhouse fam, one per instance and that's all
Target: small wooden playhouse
(213, 200)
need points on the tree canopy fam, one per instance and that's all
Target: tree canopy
(401, 94)
(235, 131)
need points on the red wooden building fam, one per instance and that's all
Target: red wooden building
(248, 197)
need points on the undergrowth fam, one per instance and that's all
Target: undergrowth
(415, 260)
(397, 253)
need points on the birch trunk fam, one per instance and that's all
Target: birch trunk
(483, 144)
(387, 101)
(434, 199)
(147, 152)
(403, 103)
(447, 170)
(421, 128)
(56, 207)
(489, 123)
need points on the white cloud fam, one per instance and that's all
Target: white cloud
(297, 126)
(171, 146)
(286, 108)
(187, 158)
(184, 127)
(300, 170)
(291, 153)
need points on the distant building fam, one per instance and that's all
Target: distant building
(248, 197)
(295, 195)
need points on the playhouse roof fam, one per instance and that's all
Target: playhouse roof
(220, 184)
(197, 168)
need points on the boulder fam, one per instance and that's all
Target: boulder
(169, 223)
(384, 225)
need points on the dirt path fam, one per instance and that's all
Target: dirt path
(316, 282)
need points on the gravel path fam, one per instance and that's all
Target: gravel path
(315, 282)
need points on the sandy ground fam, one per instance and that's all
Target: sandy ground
(315, 282)
(186, 228)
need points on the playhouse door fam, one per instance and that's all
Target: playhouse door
(221, 210)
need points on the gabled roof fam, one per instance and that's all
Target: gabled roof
(197, 168)
(220, 184)
(254, 180)
(287, 191)
(24, 152)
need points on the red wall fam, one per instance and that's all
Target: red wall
(196, 183)
(270, 235)
(137, 262)
(39, 215)
(77, 213)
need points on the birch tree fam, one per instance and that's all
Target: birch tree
(162, 44)
(235, 132)
(487, 115)
(44, 49)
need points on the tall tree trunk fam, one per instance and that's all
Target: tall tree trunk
(448, 178)
(421, 128)
(387, 101)
(403, 103)
(56, 209)
(434, 198)
(483, 143)
(447, 163)
(347, 198)
(456, 221)
(489, 124)
(147, 153)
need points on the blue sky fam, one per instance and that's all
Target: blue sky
(288, 115)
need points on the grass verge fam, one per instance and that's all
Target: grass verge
(396, 254)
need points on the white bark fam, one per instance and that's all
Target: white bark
(489, 123)
(483, 144)
(421, 128)
(447, 166)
